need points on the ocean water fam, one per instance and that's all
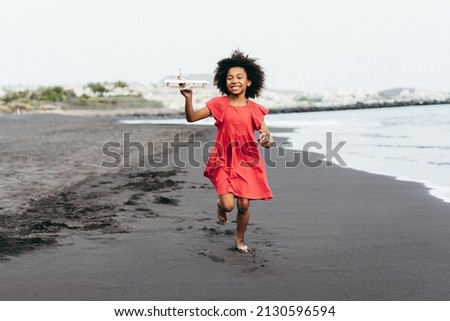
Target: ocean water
(408, 143)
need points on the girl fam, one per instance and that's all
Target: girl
(235, 166)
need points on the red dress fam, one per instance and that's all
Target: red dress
(235, 164)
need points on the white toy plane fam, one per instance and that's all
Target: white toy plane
(183, 83)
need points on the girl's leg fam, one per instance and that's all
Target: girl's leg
(225, 204)
(243, 216)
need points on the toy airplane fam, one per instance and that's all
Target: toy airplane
(184, 84)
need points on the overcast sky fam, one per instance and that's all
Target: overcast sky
(303, 44)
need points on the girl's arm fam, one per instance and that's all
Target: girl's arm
(191, 114)
(265, 139)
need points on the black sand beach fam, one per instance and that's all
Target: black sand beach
(73, 230)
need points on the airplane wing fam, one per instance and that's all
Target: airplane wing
(185, 83)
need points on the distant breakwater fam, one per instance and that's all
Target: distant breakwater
(358, 105)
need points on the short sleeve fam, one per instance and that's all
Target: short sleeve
(258, 113)
(217, 106)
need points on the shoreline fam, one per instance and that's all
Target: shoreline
(330, 233)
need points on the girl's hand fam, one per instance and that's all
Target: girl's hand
(187, 93)
(264, 139)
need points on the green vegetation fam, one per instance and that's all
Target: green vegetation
(42, 94)
(19, 96)
(52, 94)
(120, 84)
(97, 88)
(101, 89)
(67, 99)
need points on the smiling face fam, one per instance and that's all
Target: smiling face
(237, 81)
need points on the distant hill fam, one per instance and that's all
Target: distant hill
(394, 92)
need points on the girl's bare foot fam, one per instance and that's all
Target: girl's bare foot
(242, 247)
(222, 216)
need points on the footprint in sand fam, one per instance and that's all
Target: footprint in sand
(166, 200)
(203, 219)
(216, 259)
(213, 257)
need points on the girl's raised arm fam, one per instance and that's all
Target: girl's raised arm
(191, 114)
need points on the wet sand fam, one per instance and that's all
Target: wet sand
(73, 230)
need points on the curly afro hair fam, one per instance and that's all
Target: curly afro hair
(255, 73)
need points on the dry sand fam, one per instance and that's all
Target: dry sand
(73, 230)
